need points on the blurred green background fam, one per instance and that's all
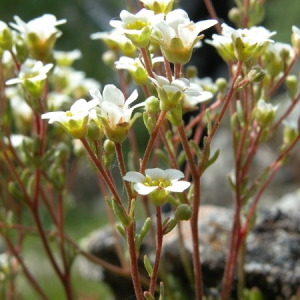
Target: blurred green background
(85, 17)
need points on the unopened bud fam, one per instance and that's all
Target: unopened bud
(256, 74)
(292, 85)
(183, 212)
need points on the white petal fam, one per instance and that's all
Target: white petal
(133, 176)
(172, 174)
(202, 25)
(179, 186)
(143, 189)
(112, 94)
(154, 173)
(131, 98)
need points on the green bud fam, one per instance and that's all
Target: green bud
(152, 105)
(140, 76)
(290, 132)
(109, 57)
(94, 132)
(191, 72)
(264, 113)
(21, 50)
(128, 49)
(221, 84)
(183, 212)
(109, 147)
(149, 121)
(256, 74)
(291, 83)
(5, 36)
(235, 16)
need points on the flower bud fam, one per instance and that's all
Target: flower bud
(235, 16)
(183, 212)
(291, 83)
(109, 57)
(152, 105)
(94, 132)
(109, 147)
(264, 113)
(296, 40)
(221, 84)
(5, 36)
(191, 72)
(290, 132)
(150, 121)
(159, 6)
(256, 74)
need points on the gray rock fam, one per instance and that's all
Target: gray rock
(272, 256)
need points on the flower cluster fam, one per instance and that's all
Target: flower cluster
(109, 111)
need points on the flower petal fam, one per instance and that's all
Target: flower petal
(154, 173)
(133, 176)
(173, 174)
(143, 189)
(179, 186)
(112, 94)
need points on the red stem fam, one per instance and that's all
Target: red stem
(159, 236)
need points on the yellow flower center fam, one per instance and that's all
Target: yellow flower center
(138, 25)
(161, 182)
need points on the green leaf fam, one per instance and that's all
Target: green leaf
(148, 265)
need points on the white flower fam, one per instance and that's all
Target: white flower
(72, 82)
(44, 27)
(32, 76)
(137, 27)
(75, 120)
(39, 34)
(264, 112)
(157, 183)
(113, 106)
(241, 44)
(276, 57)
(116, 40)
(177, 35)
(115, 112)
(31, 70)
(66, 58)
(136, 68)
(190, 101)
(171, 93)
